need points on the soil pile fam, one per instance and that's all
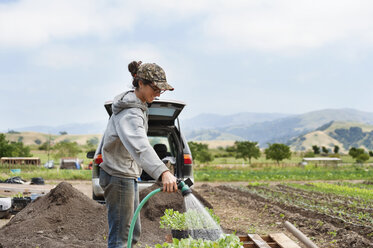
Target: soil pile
(64, 217)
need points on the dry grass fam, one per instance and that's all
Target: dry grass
(29, 138)
(213, 144)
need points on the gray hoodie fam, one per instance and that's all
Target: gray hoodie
(126, 149)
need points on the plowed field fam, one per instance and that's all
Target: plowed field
(329, 219)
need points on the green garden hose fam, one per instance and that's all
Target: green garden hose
(133, 222)
(185, 190)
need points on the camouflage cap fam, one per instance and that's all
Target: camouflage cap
(155, 74)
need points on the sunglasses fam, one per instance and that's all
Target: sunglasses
(156, 89)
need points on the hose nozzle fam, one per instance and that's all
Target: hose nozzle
(184, 186)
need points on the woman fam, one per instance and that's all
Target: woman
(126, 151)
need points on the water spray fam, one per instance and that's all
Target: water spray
(184, 186)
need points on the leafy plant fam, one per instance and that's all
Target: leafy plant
(190, 220)
(226, 241)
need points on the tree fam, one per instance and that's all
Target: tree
(63, 132)
(361, 158)
(231, 150)
(336, 149)
(44, 146)
(316, 149)
(247, 150)
(13, 149)
(92, 143)
(371, 153)
(5, 148)
(358, 154)
(324, 150)
(12, 131)
(205, 156)
(355, 152)
(66, 149)
(200, 152)
(278, 152)
(19, 150)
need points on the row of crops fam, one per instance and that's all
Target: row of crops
(346, 204)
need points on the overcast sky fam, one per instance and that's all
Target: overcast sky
(61, 60)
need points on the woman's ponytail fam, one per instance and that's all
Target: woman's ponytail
(133, 67)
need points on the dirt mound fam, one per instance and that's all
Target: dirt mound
(64, 217)
(67, 218)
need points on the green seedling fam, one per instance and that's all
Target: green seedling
(251, 229)
(332, 233)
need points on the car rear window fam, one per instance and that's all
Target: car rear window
(159, 140)
(155, 140)
(168, 112)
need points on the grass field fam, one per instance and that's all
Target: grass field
(295, 159)
(43, 155)
(220, 169)
(277, 173)
(28, 172)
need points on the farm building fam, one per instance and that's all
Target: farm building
(321, 161)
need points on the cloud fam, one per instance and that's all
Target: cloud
(140, 51)
(31, 23)
(288, 25)
(62, 56)
(264, 25)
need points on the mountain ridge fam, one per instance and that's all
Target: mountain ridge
(263, 128)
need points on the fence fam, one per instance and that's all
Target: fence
(20, 161)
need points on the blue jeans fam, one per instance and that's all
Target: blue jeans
(122, 198)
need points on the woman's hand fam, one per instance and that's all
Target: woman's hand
(169, 182)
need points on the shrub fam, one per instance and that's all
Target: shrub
(309, 155)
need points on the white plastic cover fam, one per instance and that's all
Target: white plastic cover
(5, 203)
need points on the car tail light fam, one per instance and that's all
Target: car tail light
(98, 160)
(188, 159)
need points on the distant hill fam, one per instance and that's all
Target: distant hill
(343, 134)
(261, 127)
(34, 138)
(72, 128)
(213, 121)
(284, 129)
